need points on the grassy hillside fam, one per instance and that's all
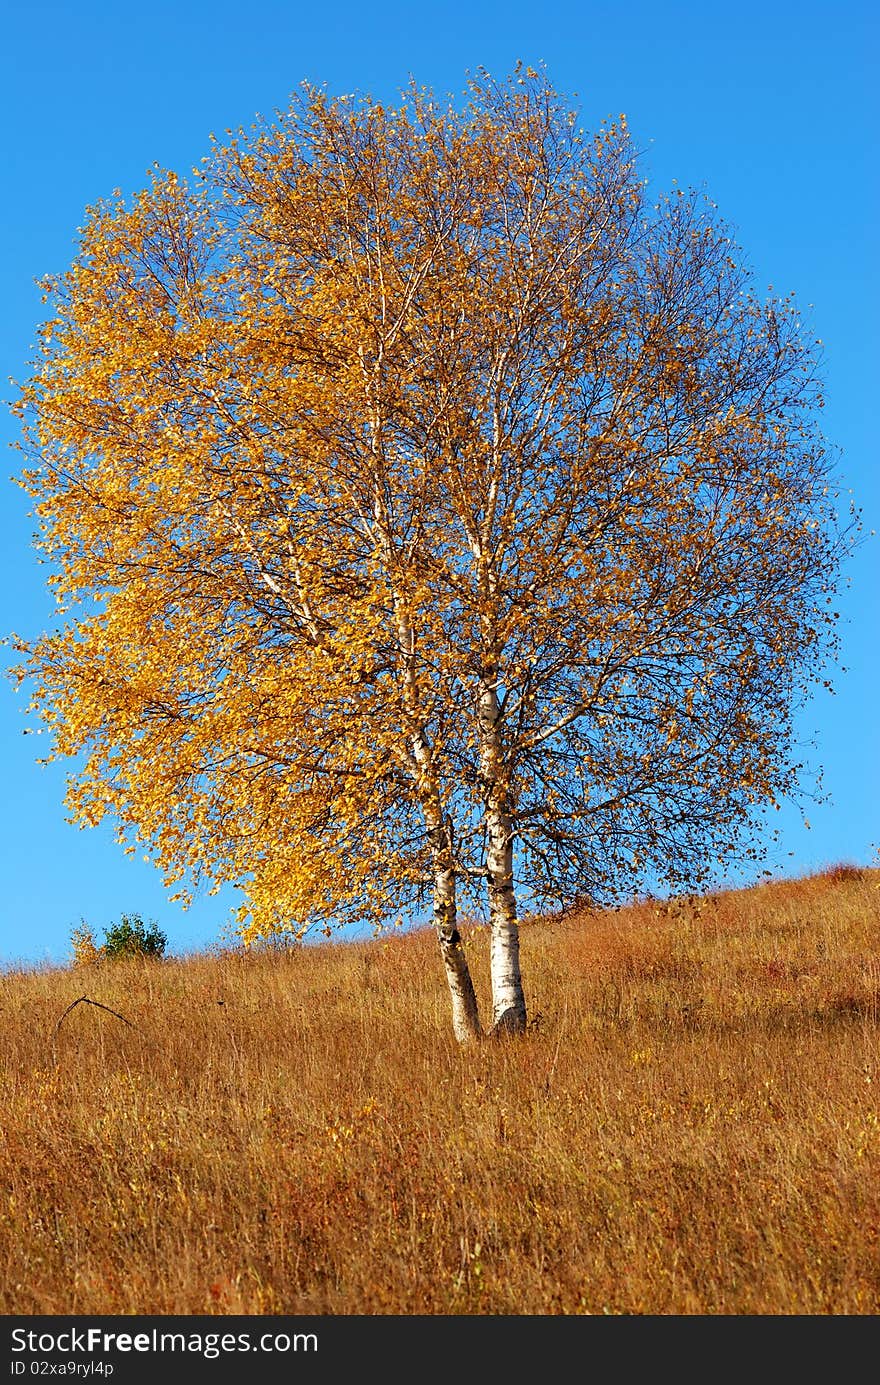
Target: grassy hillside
(691, 1126)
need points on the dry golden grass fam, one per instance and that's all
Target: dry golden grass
(691, 1126)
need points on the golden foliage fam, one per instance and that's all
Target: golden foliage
(86, 951)
(409, 481)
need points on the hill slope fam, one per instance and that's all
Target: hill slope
(691, 1125)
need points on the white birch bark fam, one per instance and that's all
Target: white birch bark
(508, 998)
(465, 1012)
(465, 1015)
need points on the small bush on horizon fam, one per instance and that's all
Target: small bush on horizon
(130, 937)
(85, 950)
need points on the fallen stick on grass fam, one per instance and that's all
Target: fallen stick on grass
(85, 1000)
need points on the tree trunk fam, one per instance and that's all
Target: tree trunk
(508, 998)
(465, 1014)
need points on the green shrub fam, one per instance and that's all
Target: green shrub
(131, 937)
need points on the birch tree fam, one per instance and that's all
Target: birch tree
(428, 511)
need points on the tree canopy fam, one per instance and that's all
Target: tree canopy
(430, 510)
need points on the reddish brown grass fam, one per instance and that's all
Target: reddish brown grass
(691, 1126)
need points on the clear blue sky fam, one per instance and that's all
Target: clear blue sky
(771, 106)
